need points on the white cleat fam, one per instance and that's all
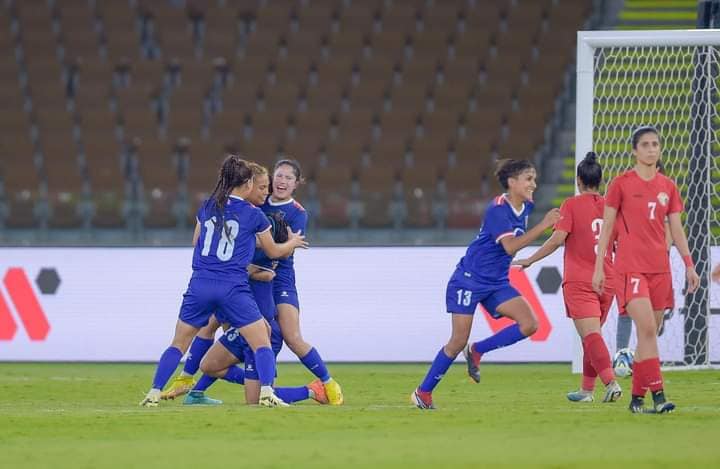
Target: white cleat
(580, 396)
(613, 392)
(152, 399)
(271, 400)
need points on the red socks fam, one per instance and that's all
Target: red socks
(599, 358)
(647, 375)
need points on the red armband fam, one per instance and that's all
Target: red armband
(688, 261)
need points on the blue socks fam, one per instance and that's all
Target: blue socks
(437, 370)
(291, 395)
(235, 374)
(169, 361)
(198, 349)
(315, 364)
(203, 383)
(265, 365)
(505, 337)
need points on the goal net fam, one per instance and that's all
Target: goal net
(668, 79)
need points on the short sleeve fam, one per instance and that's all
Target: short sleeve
(566, 218)
(614, 194)
(675, 204)
(497, 223)
(299, 221)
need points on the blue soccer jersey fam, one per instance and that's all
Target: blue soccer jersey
(295, 216)
(486, 260)
(218, 256)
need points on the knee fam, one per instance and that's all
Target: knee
(529, 326)
(455, 346)
(294, 340)
(208, 367)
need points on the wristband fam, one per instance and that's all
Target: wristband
(688, 261)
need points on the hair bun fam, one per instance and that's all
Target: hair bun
(591, 157)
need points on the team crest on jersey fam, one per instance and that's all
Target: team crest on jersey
(663, 198)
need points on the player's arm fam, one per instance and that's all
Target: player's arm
(716, 273)
(668, 234)
(609, 217)
(513, 244)
(681, 243)
(274, 250)
(196, 233)
(260, 274)
(556, 240)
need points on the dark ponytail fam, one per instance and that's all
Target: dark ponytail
(234, 172)
(589, 171)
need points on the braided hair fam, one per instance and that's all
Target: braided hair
(278, 227)
(234, 172)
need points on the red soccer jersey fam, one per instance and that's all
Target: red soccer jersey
(582, 218)
(642, 207)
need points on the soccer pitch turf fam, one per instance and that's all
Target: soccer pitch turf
(87, 416)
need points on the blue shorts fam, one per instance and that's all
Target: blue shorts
(286, 294)
(236, 344)
(463, 295)
(263, 293)
(233, 303)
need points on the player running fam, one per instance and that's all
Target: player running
(579, 229)
(481, 276)
(639, 200)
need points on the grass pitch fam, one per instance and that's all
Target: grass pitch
(87, 416)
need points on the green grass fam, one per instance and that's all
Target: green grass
(86, 416)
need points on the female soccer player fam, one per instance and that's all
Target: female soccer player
(639, 200)
(224, 240)
(220, 360)
(481, 276)
(281, 204)
(206, 336)
(579, 229)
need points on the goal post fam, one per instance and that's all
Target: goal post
(668, 79)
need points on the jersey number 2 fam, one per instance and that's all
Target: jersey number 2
(225, 246)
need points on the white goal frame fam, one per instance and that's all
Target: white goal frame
(587, 43)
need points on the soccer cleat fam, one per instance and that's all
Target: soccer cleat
(581, 395)
(152, 399)
(271, 400)
(334, 392)
(422, 400)
(637, 406)
(199, 398)
(318, 393)
(660, 405)
(473, 362)
(664, 407)
(613, 392)
(180, 385)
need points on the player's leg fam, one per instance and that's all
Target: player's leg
(597, 357)
(257, 335)
(198, 348)
(169, 361)
(503, 302)
(461, 326)
(219, 363)
(289, 321)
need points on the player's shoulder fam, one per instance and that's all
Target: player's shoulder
(665, 180)
(297, 206)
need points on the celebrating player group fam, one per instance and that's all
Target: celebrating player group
(615, 249)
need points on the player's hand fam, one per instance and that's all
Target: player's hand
(297, 239)
(551, 217)
(524, 263)
(598, 281)
(693, 279)
(716, 274)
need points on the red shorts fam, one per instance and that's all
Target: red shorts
(582, 302)
(657, 287)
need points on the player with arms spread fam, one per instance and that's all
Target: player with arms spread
(579, 229)
(481, 276)
(638, 202)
